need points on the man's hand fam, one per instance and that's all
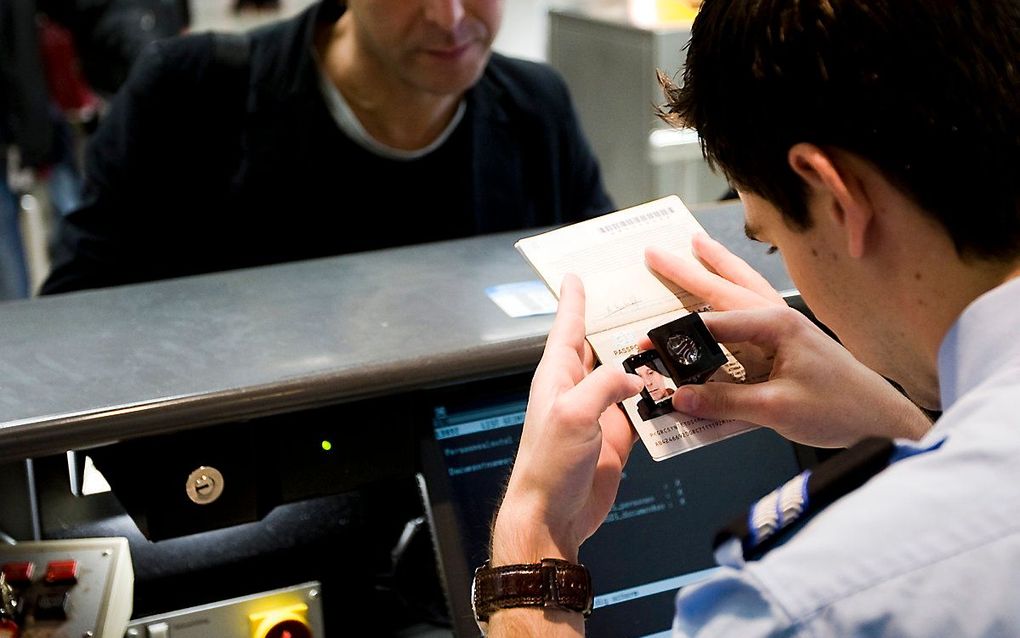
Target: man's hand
(573, 449)
(817, 392)
(575, 443)
(721, 278)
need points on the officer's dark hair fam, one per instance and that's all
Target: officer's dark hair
(927, 90)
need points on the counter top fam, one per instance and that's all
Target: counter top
(93, 367)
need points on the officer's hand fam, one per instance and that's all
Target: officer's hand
(573, 448)
(718, 276)
(726, 282)
(817, 393)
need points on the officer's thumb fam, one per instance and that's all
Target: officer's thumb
(718, 401)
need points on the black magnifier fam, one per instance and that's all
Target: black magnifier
(688, 350)
(684, 351)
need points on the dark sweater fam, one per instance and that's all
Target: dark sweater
(209, 160)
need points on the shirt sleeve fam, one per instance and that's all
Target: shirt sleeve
(731, 603)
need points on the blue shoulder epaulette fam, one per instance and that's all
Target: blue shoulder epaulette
(777, 515)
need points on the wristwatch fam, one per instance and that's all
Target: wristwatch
(553, 583)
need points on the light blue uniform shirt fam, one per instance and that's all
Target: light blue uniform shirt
(928, 547)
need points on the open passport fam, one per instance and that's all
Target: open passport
(625, 299)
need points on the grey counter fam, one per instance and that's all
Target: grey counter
(90, 368)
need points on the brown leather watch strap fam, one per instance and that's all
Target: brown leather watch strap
(554, 583)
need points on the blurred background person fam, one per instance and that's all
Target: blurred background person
(59, 61)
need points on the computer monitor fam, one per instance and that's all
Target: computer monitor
(656, 539)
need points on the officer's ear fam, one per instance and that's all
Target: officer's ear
(835, 190)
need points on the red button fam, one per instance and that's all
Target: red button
(19, 573)
(61, 572)
(9, 628)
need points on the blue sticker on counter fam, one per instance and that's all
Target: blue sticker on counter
(523, 298)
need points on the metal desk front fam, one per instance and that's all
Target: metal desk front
(93, 367)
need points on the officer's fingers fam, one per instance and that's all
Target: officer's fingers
(756, 403)
(571, 327)
(766, 328)
(565, 346)
(568, 326)
(606, 385)
(589, 358)
(618, 435)
(693, 277)
(730, 322)
(720, 260)
(686, 273)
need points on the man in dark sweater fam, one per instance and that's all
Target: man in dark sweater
(354, 126)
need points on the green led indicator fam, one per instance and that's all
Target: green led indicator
(327, 445)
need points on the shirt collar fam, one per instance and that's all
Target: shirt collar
(980, 342)
(349, 123)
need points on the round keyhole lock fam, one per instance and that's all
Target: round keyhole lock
(204, 485)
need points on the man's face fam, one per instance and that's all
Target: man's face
(841, 292)
(436, 46)
(654, 383)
